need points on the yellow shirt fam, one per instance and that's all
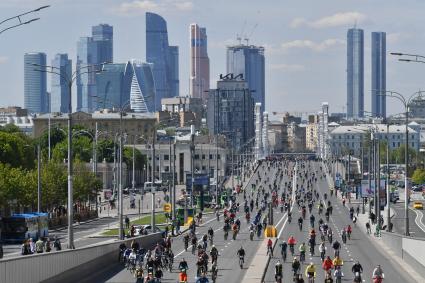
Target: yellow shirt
(337, 261)
(310, 269)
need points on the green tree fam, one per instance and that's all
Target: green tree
(81, 149)
(140, 159)
(419, 176)
(54, 184)
(105, 150)
(85, 183)
(16, 150)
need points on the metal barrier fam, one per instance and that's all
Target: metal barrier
(66, 265)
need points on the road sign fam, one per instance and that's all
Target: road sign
(167, 207)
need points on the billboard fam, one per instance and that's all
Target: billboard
(367, 191)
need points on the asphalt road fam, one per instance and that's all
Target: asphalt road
(228, 265)
(416, 220)
(358, 248)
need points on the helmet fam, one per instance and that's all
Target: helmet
(213, 246)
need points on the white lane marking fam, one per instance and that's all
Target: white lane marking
(418, 219)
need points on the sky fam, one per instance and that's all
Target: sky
(304, 40)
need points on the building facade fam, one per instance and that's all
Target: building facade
(230, 111)
(35, 83)
(355, 75)
(249, 61)
(59, 95)
(163, 57)
(133, 124)
(94, 50)
(379, 74)
(297, 137)
(345, 139)
(127, 85)
(199, 62)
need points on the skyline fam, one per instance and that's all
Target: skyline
(301, 46)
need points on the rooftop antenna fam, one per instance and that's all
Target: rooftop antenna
(248, 36)
(239, 35)
(355, 23)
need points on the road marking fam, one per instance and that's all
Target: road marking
(418, 219)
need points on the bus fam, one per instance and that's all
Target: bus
(20, 227)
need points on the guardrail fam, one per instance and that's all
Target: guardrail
(67, 265)
(411, 250)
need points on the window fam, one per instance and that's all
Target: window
(167, 168)
(211, 156)
(166, 157)
(218, 157)
(413, 144)
(203, 156)
(393, 144)
(204, 168)
(196, 156)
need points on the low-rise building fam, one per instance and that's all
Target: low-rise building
(109, 123)
(297, 137)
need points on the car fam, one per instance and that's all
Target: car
(417, 188)
(418, 205)
(147, 229)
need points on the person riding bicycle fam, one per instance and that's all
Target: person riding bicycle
(311, 244)
(322, 250)
(296, 265)
(338, 262)
(183, 275)
(336, 246)
(270, 247)
(310, 270)
(211, 232)
(202, 279)
(357, 267)
(186, 240)
(349, 230)
(378, 273)
(302, 248)
(327, 264)
(241, 253)
(283, 249)
(312, 219)
(278, 270)
(214, 253)
(183, 265)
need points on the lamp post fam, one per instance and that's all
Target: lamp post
(406, 101)
(69, 79)
(21, 22)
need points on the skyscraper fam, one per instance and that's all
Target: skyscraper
(379, 75)
(199, 62)
(174, 70)
(249, 61)
(121, 83)
(35, 83)
(93, 50)
(60, 95)
(163, 57)
(355, 76)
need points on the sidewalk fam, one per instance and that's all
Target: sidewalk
(258, 267)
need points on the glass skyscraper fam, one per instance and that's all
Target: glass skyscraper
(93, 50)
(379, 76)
(35, 83)
(249, 61)
(163, 57)
(199, 62)
(355, 76)
(126, 85)
(59, 96)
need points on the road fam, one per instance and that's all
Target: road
(358, 248)
(416, 220)
(229, 270)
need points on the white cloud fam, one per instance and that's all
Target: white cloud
(335, 20)
(141, 6)
(312, 45)
(287, 67)
(3, 59)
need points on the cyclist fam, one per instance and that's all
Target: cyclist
(211, 233)
(291, 243)
(270, 247)
(357, 267)
(377, 274)
(202, 279)
(322, 250)
(336, 246)
(328, 278)
(300, 223)
(296, 265)
(349, 230)
(241, 254)
(278, 270)
(213, 254)
(183, 265)
(312, 243)
(283, 250)
(337, 262)
(186, 241)
(310, 272)
(302, 249)
(312, 219)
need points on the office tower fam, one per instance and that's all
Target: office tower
(355, 76)
(249, 61)
(379, 75)
(230, 111)
(127, 85)
(199, 62)
(174, 70)
(163, 57)
(35, 83)
(94, 50)
(59, 89)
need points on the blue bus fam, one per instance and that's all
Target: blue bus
(20, 227)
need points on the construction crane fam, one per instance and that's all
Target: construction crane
(239, 35)
(248, 36)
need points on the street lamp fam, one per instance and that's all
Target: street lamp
(69, 79)
(21, 22)
(406, 101)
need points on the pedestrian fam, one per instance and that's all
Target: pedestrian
(48, 246)
(127, 222)
(57, 244)
(372, 217)
(166, 230)
(39, 246)
(25, 248)
(357, 210)
(178, 225)
(31, 246)
(1, 250)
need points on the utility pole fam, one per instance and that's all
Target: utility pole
(369, 175)
(95, 164)
(388, 180)
(153, 188)
(38, 179)
(174, 180)
(133, 181)
(216, 170)
(378, 195)
(120, 196)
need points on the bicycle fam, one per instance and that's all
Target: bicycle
(241, 261)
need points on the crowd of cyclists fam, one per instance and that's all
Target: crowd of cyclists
(270, 185)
